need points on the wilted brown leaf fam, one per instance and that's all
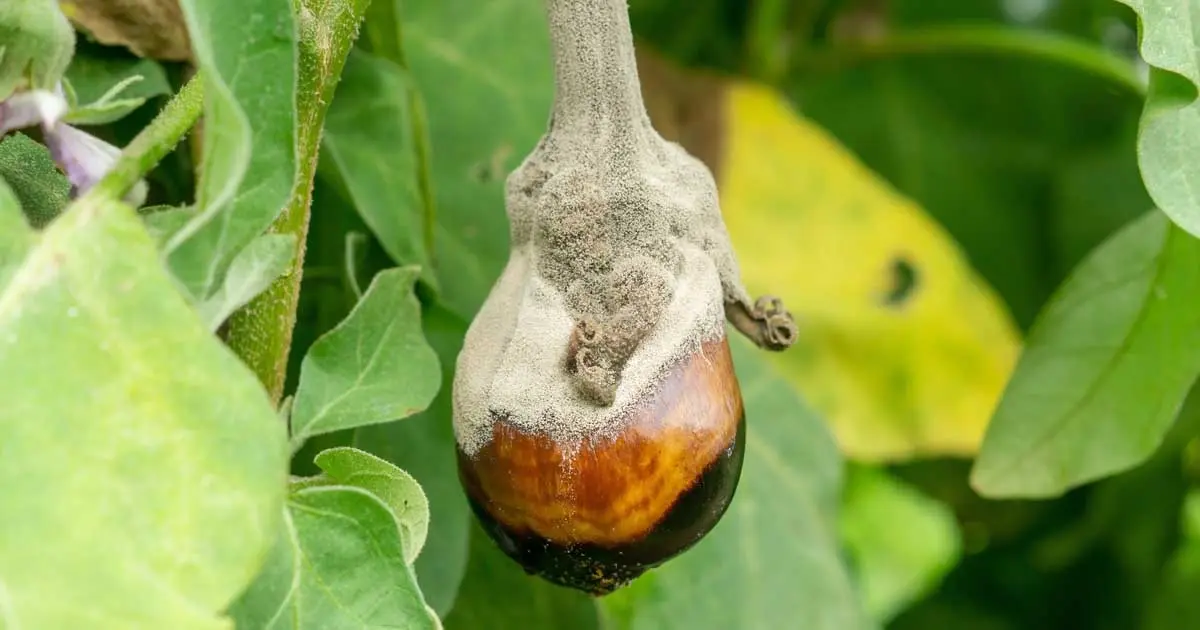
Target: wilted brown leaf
(149, 28)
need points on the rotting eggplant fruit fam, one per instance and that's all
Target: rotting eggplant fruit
(599, 423)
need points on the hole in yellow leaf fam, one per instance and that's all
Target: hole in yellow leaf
(903, 282)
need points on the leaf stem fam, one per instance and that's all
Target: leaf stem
(765, 37)
(153, 143)
(982, 40)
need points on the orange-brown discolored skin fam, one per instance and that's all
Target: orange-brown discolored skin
(595, 514)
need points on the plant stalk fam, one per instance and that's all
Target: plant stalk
(152, 144)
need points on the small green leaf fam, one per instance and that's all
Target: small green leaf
(1170, 127)
(252, 271)
(107, 89)
(354, 244)
(247, 51)
(1106, 367)
(371, 153)
(375, 366)
(131, 418)
(102, 113)
(339, 563)
(774, 559)
(31, 173)
(36, 44)
(396, 488)
(94, 77)
(423, 446)
(902, 542)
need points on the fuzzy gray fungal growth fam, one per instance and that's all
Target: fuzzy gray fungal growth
(620, 264)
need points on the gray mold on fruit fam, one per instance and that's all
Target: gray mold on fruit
(620, 264)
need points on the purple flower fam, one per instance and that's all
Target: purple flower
(83, 157)
(86, 159)
(35, 107)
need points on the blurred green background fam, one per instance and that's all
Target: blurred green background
(1011, 125)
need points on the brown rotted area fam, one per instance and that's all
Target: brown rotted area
(595, 516)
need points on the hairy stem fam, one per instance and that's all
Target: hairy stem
(153, 143)
(261, 332)
(594, 66)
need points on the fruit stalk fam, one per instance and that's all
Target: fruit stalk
(595, 72)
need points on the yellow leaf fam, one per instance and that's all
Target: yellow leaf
(903, 347)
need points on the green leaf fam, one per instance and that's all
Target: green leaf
(424, 446)
(459, 62)
(913, 117)
(1174, 604)
(247, 52)
(902, 542)
(373, 367)
(396, 488)
(773, 561)
(252, 271)
(352, 260)
(496, 594)
(339, 564)
(370, 151)
(163, 221)
(127, 416)
(33, 176)
(1105, 369)
(93, 77)
(37, 45)
(270, 602)
(1170, 127)
(16, 238)
(108, 89)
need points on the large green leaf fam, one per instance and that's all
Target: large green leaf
(773, 561)
(1170, 128)
(339, 565)
(144, 468)
(981, 142)
(371, 152)
(496, 594)
(246, 50)
(373, 367)
(902, 543)
(16, 237)
(488, 95)
(423, 446)
(1105, 368)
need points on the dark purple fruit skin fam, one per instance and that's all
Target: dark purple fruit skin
(600, 570)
